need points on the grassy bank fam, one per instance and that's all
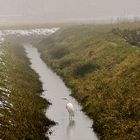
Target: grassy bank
(103, 71)
(21, 107)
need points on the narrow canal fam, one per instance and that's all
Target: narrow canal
(54, 90)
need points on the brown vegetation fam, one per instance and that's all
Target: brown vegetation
(22, 117)
(103, 71)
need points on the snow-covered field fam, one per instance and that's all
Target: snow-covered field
(29, 32)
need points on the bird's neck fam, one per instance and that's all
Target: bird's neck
(67, 101)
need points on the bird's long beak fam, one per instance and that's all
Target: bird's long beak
(63, 98)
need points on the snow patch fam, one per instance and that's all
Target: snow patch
(29, 32)
(5, 89)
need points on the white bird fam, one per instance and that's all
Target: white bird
(70, 108)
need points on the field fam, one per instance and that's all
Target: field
(21, 107)
(103, 71)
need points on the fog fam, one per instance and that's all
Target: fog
(43, 11)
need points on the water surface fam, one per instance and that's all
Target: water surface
(55, 89)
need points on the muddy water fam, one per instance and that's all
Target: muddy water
(54, 90)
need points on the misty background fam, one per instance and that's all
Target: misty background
(45, 11)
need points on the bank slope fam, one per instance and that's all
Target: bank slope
(21, 107)
(103, 70)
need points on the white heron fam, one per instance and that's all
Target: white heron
(70, 108)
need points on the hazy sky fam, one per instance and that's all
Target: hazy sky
(49, 10)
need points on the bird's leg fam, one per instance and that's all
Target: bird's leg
(69, 116)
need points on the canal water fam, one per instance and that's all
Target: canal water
(54, 90)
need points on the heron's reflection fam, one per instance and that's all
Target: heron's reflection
(70, 127)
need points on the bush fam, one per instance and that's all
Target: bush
(59, 52)
(82, 70)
